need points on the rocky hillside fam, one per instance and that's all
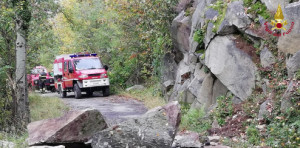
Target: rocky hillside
(222, 50)
(222, 47)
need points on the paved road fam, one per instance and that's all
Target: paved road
(114, 108)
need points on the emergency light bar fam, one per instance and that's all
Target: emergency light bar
(83, 55)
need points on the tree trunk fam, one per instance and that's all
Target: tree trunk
(21, 102)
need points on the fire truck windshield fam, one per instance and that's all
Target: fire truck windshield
(85, 64)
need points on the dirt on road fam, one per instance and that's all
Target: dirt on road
(114, 108)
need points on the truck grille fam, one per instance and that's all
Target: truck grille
(94, 75)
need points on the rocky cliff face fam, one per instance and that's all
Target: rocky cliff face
(219, 47)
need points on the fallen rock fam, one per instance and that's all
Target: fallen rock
(293, 64)
(73, 127)
(6, 144)
(135, 87)
(186, 139)
(156, 128)
(233, 67)
(266, 58)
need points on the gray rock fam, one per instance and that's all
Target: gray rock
(231, 66)
(209, 34)
(135, 87)
(73, 127)
(169, 67)
(156, 128)
(199, 72)
(235, 16)
(272, 5)
(184, 95)
(195, 86)
(266, 58)
(204, 96)
(6, 144)
(187, 139)
(293, 64)
(214, 138)
(286, 102)
(289, 43)
(180, 31)
(263, 110)
(198, 21)
(168, 85)
(219, 89)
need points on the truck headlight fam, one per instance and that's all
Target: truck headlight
(83, 76)
(103, 75)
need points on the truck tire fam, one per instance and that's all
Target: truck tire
(105, 91)
(62, 93)
(77, 91)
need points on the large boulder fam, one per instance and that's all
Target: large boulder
(180, 32)
(156, 128)
(293, 64)
(233, 67)
(289, 43)
(235, 18)
(73, 127)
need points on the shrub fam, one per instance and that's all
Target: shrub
(194, 120)
(253, 135)
(223, 109)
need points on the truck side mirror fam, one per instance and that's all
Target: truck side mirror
(105, 67)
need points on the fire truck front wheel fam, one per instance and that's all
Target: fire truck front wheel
(62, 93)
(77, 91)
(106, 91)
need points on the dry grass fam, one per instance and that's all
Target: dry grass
(45, 107)
(150, 96)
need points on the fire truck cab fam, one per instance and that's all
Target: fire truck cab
(81, 72)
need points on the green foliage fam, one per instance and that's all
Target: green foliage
(206, 69)
(284, 129)
(257, 8)
(184, 107)
(297, 75)
(253, 135)
(199, 36)
(223, 110)
(151, 95)
(40, 108)
(194, 120)
(221, 7)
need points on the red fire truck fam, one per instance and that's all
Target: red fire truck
(34, 79)
(81, 72)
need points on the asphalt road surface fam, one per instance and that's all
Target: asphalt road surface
(114, 108)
